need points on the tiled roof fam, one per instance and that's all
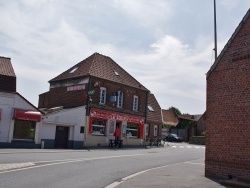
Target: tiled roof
(170, 117)
(186, 116)
(6, 67)
(102, 67)
(155, 115)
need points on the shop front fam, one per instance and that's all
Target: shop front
(26, 127)
(102, 125)
(19, 122)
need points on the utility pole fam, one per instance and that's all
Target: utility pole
(215, 31)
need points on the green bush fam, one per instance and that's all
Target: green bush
(203, 133)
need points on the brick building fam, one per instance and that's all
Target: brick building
(7, 75)
(111, 97)
(153, 126)
(228, 108)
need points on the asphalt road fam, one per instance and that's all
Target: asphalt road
(82, 168)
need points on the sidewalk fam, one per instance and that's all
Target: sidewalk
(180, 175)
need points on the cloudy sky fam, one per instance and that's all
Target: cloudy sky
(167, 45)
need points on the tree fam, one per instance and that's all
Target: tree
(176, 110)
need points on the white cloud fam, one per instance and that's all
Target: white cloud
(159, 42)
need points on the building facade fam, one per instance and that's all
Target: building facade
(110, 96)
(228, 108)
(19, 119)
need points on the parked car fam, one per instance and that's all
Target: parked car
(173, 138)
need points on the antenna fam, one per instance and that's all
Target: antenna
(215, 31)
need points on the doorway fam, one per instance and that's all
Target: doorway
(62, 137)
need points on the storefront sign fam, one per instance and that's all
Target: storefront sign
(116, 116)
(91, 92)
(76, 87)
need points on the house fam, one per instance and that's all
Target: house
(153, 126)
(170, 120)
(103, 96)
(19, 119)
(201, 125)
(228, 108)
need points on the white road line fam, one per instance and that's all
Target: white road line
(57, 162)
(195, 163)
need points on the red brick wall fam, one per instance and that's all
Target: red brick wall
(61, 97)
(7, 83)
(228, 111)
(128, 94)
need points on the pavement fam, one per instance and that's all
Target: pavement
(179, 175)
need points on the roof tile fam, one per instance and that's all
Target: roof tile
(6, 67)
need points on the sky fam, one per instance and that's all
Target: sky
(167, 45)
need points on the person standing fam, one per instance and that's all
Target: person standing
(117, 134)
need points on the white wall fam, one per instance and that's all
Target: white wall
(73, 118)
(9, 101)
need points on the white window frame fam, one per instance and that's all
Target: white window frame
(119, 99)
(103, 92)
(100, 127)
(155, 130)
(132, 132)
(135, 103)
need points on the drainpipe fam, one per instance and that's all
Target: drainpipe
(87, 114)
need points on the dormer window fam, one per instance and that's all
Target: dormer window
(150, 108)
(73, 70)
(116, 73)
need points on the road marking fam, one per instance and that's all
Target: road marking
(181, 146)
(57, 162)
(116, 183)
(8, 166)
(195, 163)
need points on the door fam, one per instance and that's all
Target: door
(62, 137)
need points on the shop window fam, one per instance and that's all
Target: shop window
(155, 130)
(103, 92)
(99, 127)
(24, 130)
(120, 99)
(135, 103)
(132, 131)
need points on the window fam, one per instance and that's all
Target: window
(135, 103)
(24, 130)
(150, 108)
(102, 95)
(132, 131)
(120, 99)
(73, 70)
(99, 127)
(116, 73)
(155, 130)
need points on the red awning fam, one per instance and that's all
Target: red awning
(27, 115)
